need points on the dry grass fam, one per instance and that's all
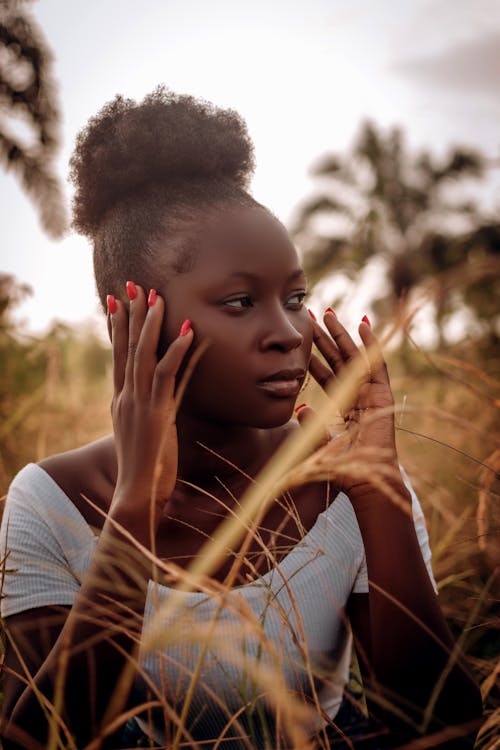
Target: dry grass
(447, 420)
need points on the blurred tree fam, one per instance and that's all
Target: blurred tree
(11, 294)
(28, 101)
(380, 201)
(482, 292)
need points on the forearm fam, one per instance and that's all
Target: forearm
(411, 656)
(96, 650)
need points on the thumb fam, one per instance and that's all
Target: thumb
(303, 412)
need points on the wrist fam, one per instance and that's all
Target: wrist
(132, 510)
(382, 492)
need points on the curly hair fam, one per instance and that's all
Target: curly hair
(144, 176)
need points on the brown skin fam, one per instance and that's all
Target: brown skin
(243, 297)
(402, 638)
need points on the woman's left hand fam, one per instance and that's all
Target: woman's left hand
(399, 628)
(364, 428)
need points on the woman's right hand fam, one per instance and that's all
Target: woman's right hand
(143, 406)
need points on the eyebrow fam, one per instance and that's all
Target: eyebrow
(299, 273)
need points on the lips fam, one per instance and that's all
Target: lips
(283, 383)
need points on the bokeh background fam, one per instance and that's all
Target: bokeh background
(377, 140)
(303, 75)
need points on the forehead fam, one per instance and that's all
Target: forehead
(245, 239)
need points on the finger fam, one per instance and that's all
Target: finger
(327, 347)
(378, 366)
(345, 345)
(164, 381)
(118, 320)
(137, 316)
(321, 372)
(304, 413)
(146, 358)
(324, 377)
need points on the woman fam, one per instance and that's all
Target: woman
(204, 291)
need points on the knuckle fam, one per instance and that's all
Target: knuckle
(138, 353)
(122, 400)
(165, 368)
(324, 380)
(332, 361)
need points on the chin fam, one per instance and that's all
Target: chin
(273, 417)
(274, 413)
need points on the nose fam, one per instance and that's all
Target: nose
(279, 332)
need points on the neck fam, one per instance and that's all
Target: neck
(208, 452)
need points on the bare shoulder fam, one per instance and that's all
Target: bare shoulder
(95, 454)
(86, 472)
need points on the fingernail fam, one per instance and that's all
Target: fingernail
(331, 310)
(131, 290)
(298, 408)
(313, 316)
(365, 319)
(185, 327)
(111, 303)
(152, 297)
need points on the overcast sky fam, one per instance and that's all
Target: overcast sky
(303, 73)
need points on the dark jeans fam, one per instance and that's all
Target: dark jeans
(354, 730)
(133, 736)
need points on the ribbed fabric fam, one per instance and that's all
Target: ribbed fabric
(296, 611)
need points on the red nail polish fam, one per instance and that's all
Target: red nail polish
(365, 319)
(330, 310)
(313, 316)
(131, 290)
(185, 327)
(111, 302)
(298, 408)
(152, 297)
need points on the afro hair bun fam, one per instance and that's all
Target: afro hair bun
(168, 139)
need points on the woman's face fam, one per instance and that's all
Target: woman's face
(244, 297)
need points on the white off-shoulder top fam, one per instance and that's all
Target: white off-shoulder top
(297, 611)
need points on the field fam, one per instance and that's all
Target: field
(448, 434)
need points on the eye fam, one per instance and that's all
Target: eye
(239, 302)
(296, 299)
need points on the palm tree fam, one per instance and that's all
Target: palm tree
(28, 94)
(380, 201)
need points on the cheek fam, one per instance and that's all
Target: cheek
(218, 372)
(221, 378)
(169, 332)
(214, 390)
(305, 327)
(221, 363)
